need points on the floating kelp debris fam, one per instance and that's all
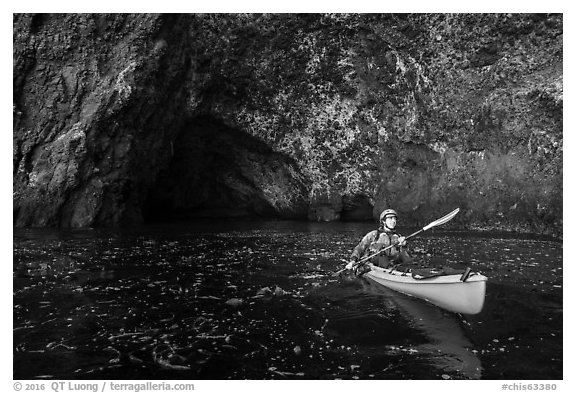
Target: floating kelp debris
(117, 354)
(280, 292)
(285, 373)
(59, 345)
(267, 292)
(167, 358)
(161, 308)
(312, 276)
(235, 302)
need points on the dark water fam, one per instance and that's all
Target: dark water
(258, 301)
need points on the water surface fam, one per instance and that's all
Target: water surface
(257, 300)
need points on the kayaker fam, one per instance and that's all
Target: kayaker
(377, 239)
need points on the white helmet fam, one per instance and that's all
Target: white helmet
(388, 212)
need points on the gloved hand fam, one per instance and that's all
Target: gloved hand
(402, 241)
(350, 265)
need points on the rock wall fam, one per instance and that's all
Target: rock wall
(320, 116)
(91, 122)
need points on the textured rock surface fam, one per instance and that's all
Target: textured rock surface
(120, 117)
(91, 120)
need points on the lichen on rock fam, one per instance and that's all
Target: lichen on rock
(331, 114)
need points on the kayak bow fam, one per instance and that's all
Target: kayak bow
(453, 292)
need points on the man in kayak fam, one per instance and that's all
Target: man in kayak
(378, 239)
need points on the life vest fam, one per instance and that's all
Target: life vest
(374, 242)
(384, 239)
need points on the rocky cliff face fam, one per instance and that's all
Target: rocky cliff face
(120, 118)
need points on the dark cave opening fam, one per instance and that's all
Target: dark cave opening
(356, 207)
(219, 171)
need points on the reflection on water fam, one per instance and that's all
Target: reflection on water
(448, 347)
(257, 300)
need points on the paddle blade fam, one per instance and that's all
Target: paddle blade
(442, 220)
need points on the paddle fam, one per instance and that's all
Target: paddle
(436, 223)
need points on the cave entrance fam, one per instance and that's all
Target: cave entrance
(219, 171)
(356, 207)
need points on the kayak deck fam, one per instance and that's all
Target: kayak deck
(446, 291)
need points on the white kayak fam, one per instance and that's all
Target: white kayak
(454, 292)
